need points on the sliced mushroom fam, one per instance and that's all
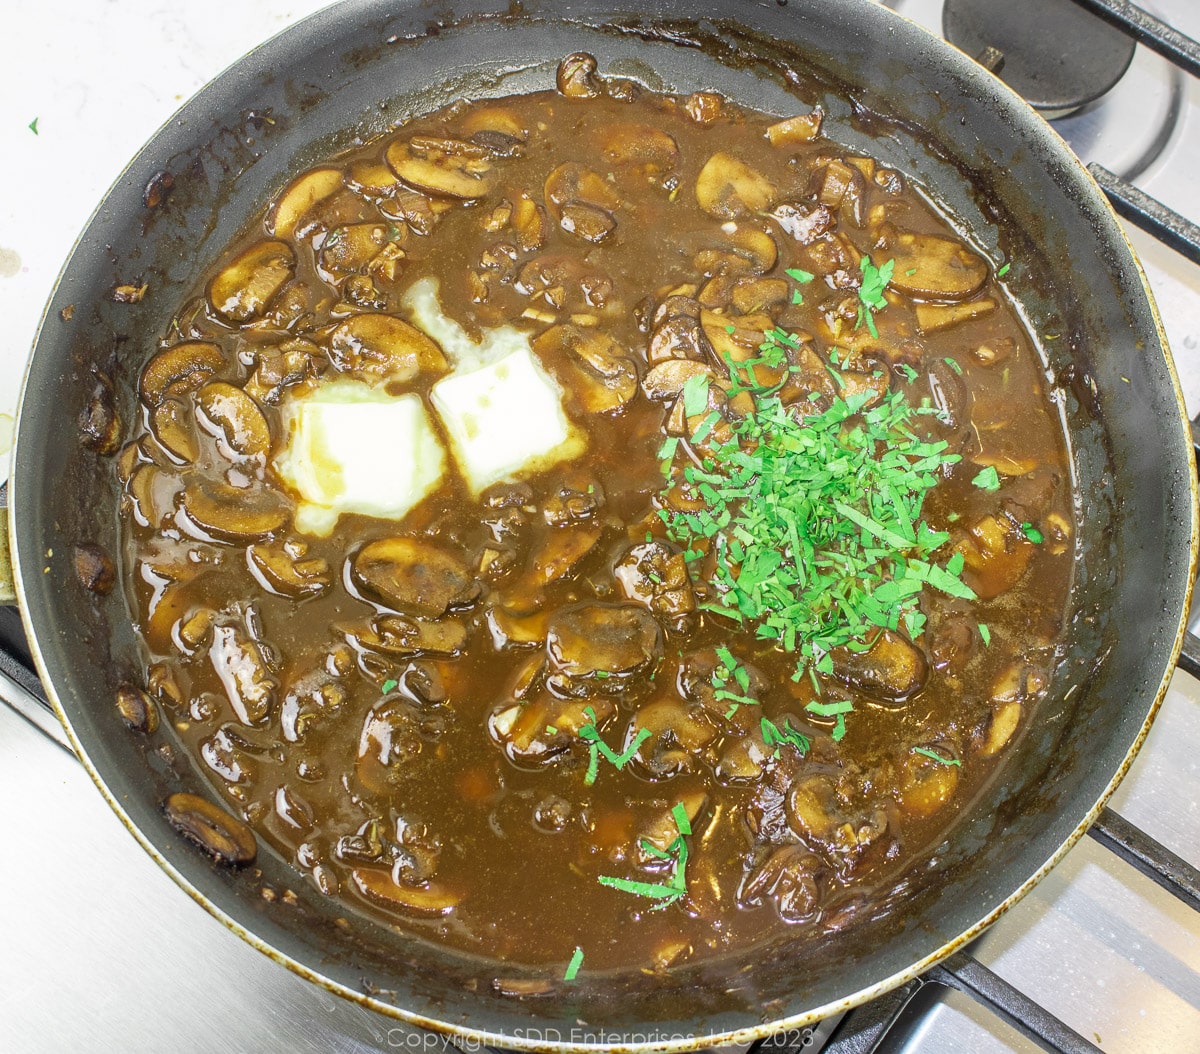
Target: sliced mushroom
(666, 380)
(299, 197)
(281, 367)
(841, 831)
(788, 877)
(137, 709)
(350, 249)
(406, 637)
(177, 370)
(239, 664)
(754, 295)
(544, 727)
(742, 344)
(230, 513)
(609, 377)
(285, 568)
(930, 266)
(1016, 687)
(892, 670)
(745, 249)
(934, 317)
(655, 574)
(729, 188)
(227, 840)
(677, 337)
(451, 168)
(419, 212)
(663, 828)
(996, 555)
(372, 179)
(383, 347)
(616, 642)
(499, 119)
(231, 416)
(99, 422)
(378, 887)
(173, 425)
(245, 287)
(576, 77)
(581, 201)
(562, 552)
(803, 128)
(704, 107)
(412, 575)
(679, 732)
(926, 783)
(651, 151)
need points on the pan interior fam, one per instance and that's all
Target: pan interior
(357, 69)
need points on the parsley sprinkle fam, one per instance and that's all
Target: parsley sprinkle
(870, 292)
(590, 734)
(1003, 271)
(774, 736)
(815, 527)
(910, 374)
(389, 685)
(676, 886)
(953, 364)
(837, 710)
(798, 275)
(695, 394)
(988, 479)
(910, 272)
(926, 752)
(1032, 533)
(573, 965)
(985, 634)
(33, 126)
(797, 297)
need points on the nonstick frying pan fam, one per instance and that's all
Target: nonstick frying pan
(355, 70)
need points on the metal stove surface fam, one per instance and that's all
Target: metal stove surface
(103, 952)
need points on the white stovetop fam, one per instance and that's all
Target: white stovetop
(102, 952)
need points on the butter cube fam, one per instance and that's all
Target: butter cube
(503, 418)
(354, 448)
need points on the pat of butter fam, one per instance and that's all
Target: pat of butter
(501, 411)
(354, 448)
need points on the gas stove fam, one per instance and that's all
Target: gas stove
(105, 953)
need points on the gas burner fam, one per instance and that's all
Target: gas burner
(1126, 129)
(1056, 55)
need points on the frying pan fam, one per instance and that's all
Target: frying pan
(888, 87)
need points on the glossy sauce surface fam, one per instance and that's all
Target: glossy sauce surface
(409, 709)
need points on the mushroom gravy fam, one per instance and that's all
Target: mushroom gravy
(526, 677)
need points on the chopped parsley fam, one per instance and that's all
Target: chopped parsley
(33, 126)
(988, 479)
(953, 364)
(816, 527)
(1032, 533)
(837, 710)
(389, 685)
(910, 374)
(774, 736)
(870, 292)
(573, 965)
(676, 886)
(1003, 271)
(985, 634)
(796, 274)
(926, 752)
(590, 734)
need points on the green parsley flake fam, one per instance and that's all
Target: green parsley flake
(573, 965)
(1032, 533)
(389, 685)
(33, 126)
(796, 274)
(985, 634)
(677, 851)
(953, 364)
(590, 734)
(695, 394)
(926, 752)
(910, 374)
(837, 710)
(774, 736)
(870, 292)
(988, 479)
(1003, 271)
